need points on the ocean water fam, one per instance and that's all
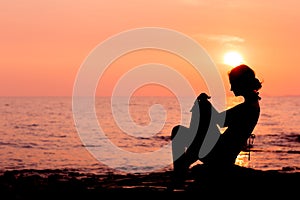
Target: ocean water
(129, 135)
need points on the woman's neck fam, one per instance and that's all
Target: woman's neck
(252, 97)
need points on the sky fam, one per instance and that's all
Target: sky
(44, 43)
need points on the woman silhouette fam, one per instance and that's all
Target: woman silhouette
(240, 121)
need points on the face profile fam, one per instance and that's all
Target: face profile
(243, 81)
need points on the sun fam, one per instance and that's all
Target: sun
(233, 58)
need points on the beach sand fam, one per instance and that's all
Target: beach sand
(53, 184)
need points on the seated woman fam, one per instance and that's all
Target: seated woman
(240, 121)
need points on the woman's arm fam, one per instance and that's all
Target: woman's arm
(228, 116)
(204, 110)
(218, 117)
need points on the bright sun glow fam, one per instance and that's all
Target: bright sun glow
(233, 58)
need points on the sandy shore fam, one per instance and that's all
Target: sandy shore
(51, 184)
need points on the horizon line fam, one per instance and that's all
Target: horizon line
(264, 95)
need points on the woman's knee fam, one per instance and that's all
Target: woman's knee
(176, 129)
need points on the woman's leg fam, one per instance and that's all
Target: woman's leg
(186, 142)
(181, 139)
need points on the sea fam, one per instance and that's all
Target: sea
(130, 135)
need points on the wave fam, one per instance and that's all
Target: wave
(277, 151)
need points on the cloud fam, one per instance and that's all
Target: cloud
(221, 38)
(215, 3)
(192, 2)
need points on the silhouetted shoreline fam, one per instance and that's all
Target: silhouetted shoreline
(41, 184)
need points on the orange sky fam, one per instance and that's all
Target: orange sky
(43, 43)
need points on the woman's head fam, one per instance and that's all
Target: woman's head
(243, 81)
